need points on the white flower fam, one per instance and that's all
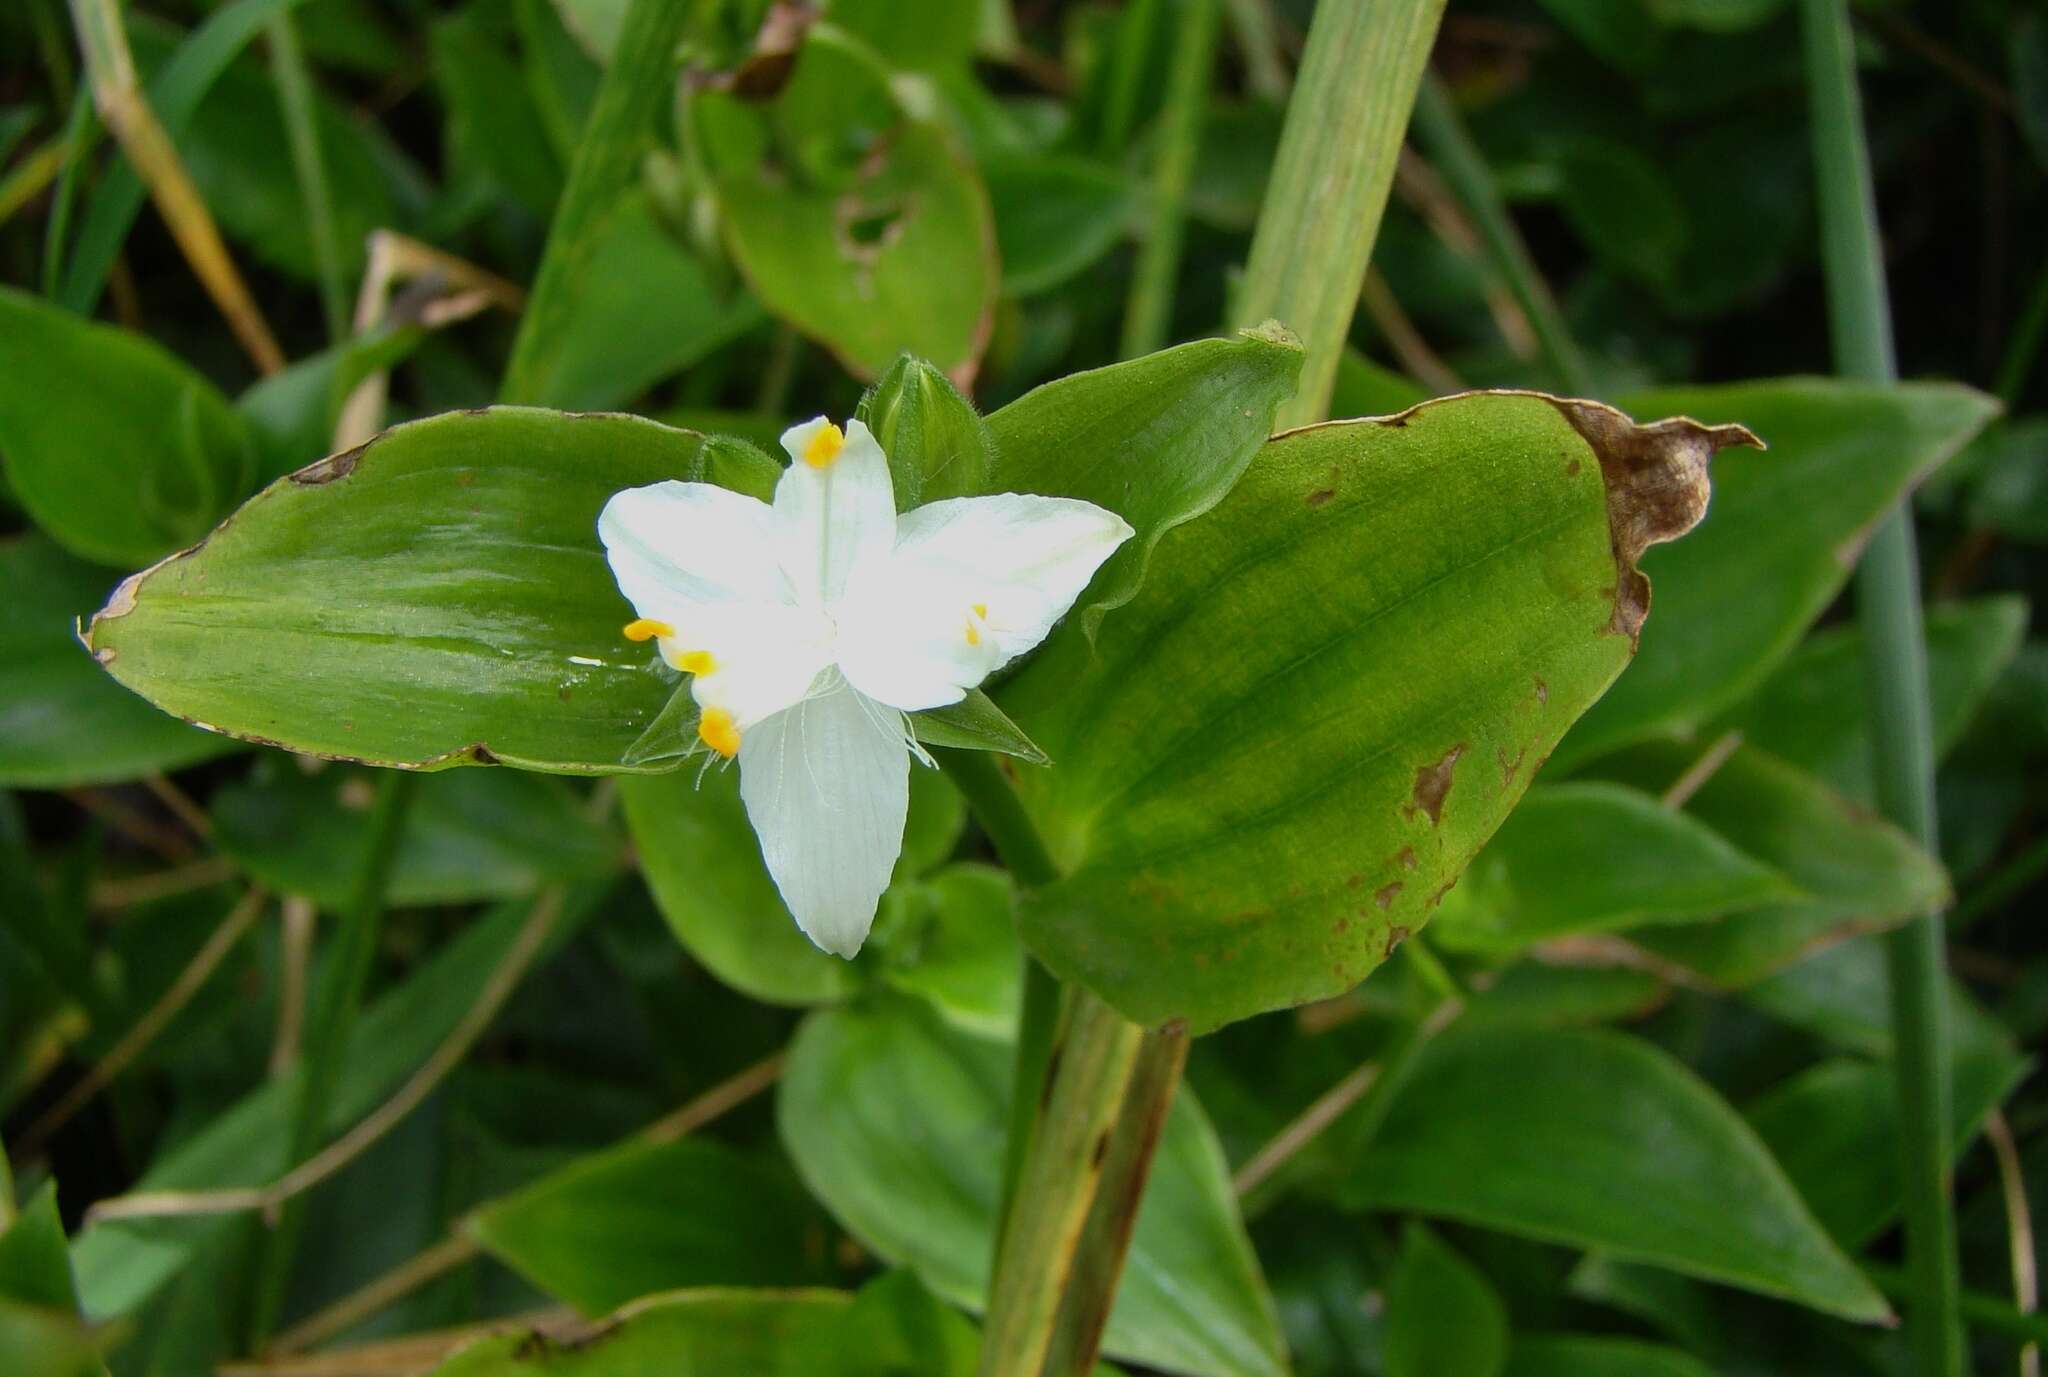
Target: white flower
(813, 626)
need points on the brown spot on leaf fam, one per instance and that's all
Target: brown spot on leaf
(1340, 925)
(1542, 690)
(1384, 895)
(1396, 935)
(1657, 489)
(1571, 470)
(1099, 1151)
(1407, 858)
(1320, 496)
(1353, 881)
(1509, 768)
(334, 466)
(1433, 785)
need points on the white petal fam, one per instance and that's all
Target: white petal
(827, 786)
(678, 547)
(765, 657)
(973, 583)
(834, 519)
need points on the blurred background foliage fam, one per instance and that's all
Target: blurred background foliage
(1631, 1112)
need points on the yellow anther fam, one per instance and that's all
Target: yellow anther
(646, 629)
(696, 662)
(824, 446)
(716, 729)
(973, 634)
(981, 610)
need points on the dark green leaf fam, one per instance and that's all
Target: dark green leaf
(34, 1267)
(1443, 1318)
(64, 723)
(117, 449)
(1546, 1133)
(1777, 543)
(45, 1344)
(895, 1121)
(647, 1217)
(951, 941)
(1055, 216)
(1562, 1355)
(493, 124)
(434, 597)
(1595, 857)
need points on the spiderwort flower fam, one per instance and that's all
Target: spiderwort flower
(810, 628)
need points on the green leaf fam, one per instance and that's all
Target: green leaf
(1623, 206)
(1159, 440)
(1778, 541)
(950, 940)
(892, 1327)
(1574, 1355)
(63, 723)
(121, 1264)
(1813, 710)
(647, 1217)
(647, 310)
(34, 1267)
(895, 1121)
(1859, 872)
(1543, 1133)
(493, 125)
(937, 443)
(975, 723)
(37, 1341)
(1443, 1318)
(469, 835)
(435, 597)
(1596, 857)
(1327, 696)
(1823, 1123)
(872, 232)
(293, 414)
(1055, 216)
(117, 449)
(918, 35)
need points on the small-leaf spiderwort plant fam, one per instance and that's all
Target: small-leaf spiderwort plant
(811, 627)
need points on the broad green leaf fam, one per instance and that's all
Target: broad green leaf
(892, 1327)
(63, 723)
(938, 445)
(1827, 1123)
(1159, 440)
(1592, 1139)
(1443, 1317)
(470, 834)
(869, 230)
(1330, 692)
(34, 1268)
(1859, 872)
(919, 35)
(896, 1122)
(1623, 205)
(1813, 711)
(119, 450)
(1588, 1355)
(1055, 216)
(493, 124)
(647, 310)
(647, 1217)
(1843, 996)
(435, 597)
(121, 1264)
(1779, 539)
(1595, 857)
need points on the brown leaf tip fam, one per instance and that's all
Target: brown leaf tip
(1657, 488)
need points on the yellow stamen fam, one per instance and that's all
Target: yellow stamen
(981, 610)
(696, 662)
(716, 729)
(825, 446)
(973, 634)
(646, 629)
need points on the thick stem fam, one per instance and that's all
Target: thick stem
(1092, 1060)
(1329, 187)
(634, 87)
(1888, 605)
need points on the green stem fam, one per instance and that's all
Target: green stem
(1113, 1218)
(1001, 814)
(295, 101)
(1330, 178)
(632, 91)
(1439, 130)
(81, 132)
(1149, 314)
(1253, 29)
(1888, 605)
(1990, 1312)
(1127, 75)
(329, 1023)
(1091, 1070)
